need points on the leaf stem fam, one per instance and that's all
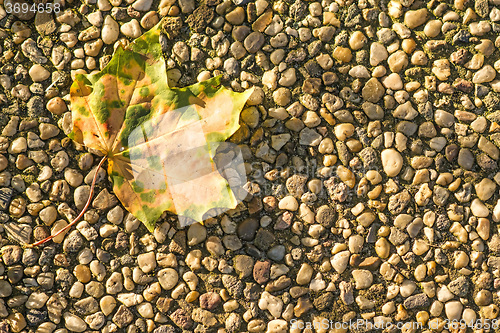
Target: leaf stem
(84, 209)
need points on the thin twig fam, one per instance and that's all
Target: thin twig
(84, 209)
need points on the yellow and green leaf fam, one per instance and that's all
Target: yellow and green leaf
(160, 141)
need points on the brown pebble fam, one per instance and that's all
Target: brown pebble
(408, 45)
(342, 54)
(82, 273)
(56, 106)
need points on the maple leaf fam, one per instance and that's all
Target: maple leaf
(160, 141)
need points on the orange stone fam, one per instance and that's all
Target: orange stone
(342, 54)
(82, 273)
(408, 45)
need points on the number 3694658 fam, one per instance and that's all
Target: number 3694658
(13, 7)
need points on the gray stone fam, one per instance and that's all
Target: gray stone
(296, 184)
(210, 300)
(86, 306)
(494, 244)
(373, 90)
(23, 15)
(338, 191)
(373, 111)
(397, 237)
(206, 318)
(369, 157)
(73, 241)
(264, 239)
(416, 301)
(96, 320)
(406, 127)
(459, 286)
(346, 292)
(181, 319)
(5, 288)
(44, 23)
(32, 52)
(309, 137)
(481, 7)
(398, 202)
(494, 116)
(466, 159)
(440, 195)
(254, 42)
(233, 285)
(243, 265)
(11, 254)
(276, 253)
(5, 197)
(123, 317)
(325, 216)
(405, 111)
(494, 262)
(247, 229)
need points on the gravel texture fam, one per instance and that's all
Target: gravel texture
(371, 146)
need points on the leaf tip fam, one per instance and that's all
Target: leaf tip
(151, 226)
